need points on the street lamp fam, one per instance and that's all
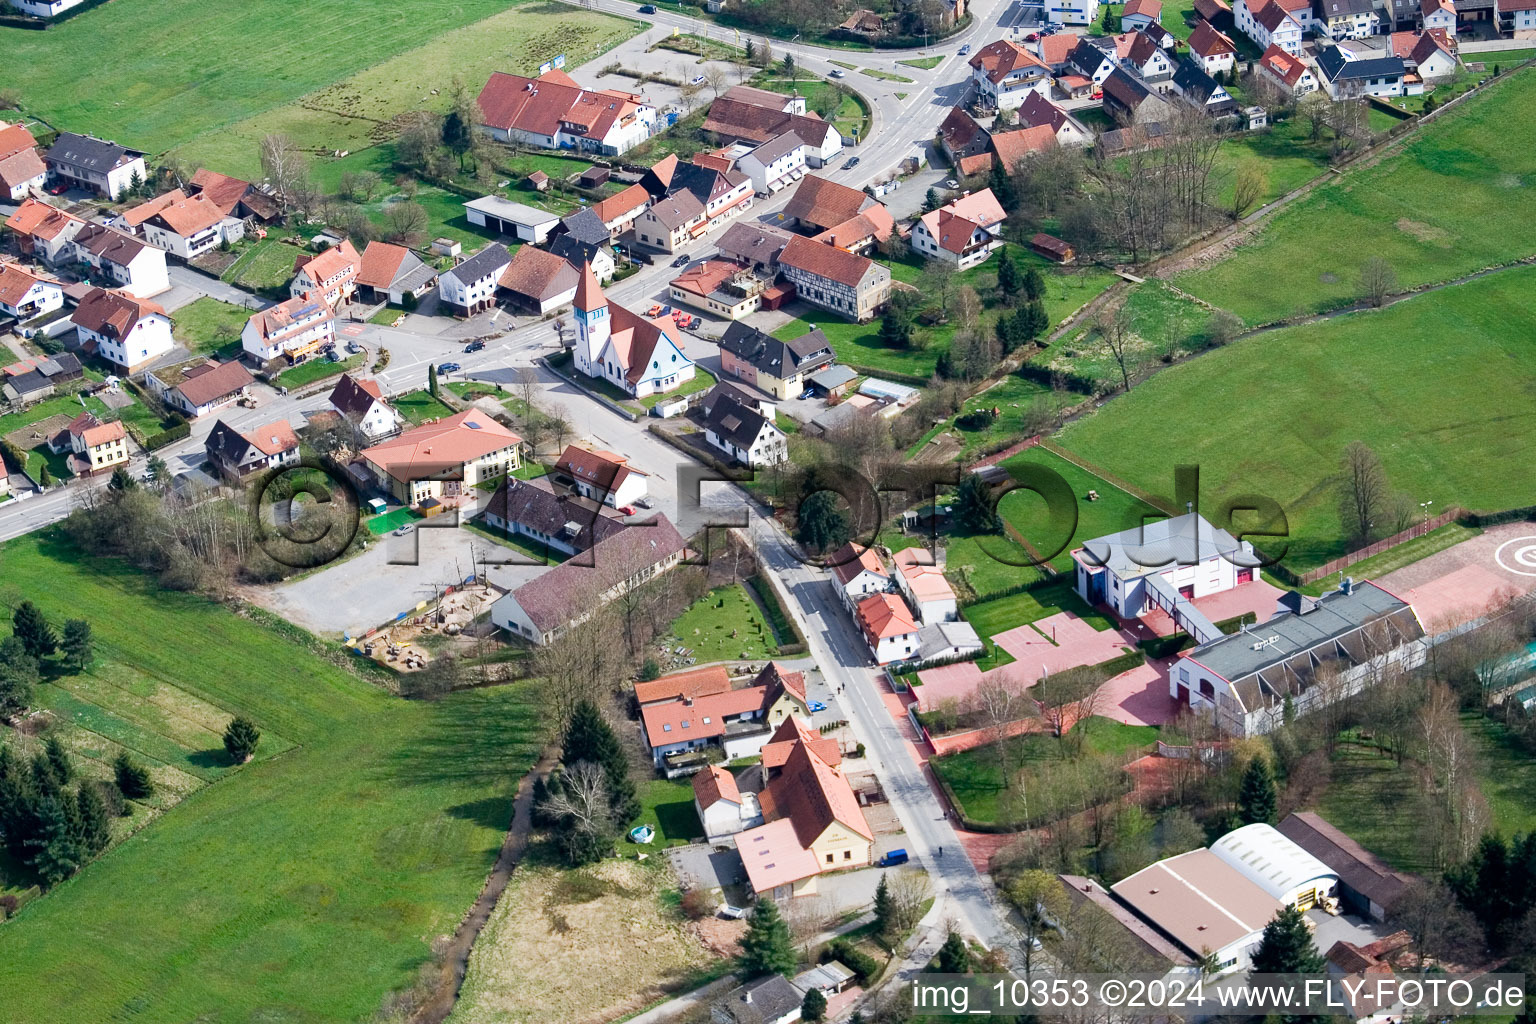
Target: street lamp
(1425, 527)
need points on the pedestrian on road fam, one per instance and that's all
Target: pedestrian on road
(941, 853)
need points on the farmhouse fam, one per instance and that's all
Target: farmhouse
(1005, 73)
(725, 289)
(389, 273)
(639, 355)
(44, 231)
(603, 476)
(21, 169)
(132, 219)
(127, 332)
(1311, 653)
(771, 364)
(234, 197)
(1367, 886)
(820, 203)
(331, 275)
(292, 329)
(744, 435)
(1287, 71)
(963, 232)
(136, 267)
(361, 403)
(533, 510)
(25, 295)
(722, 807)
(199, 386)
(542, 610)
(503, 216)
(470, 287)
(848, 284)
(553, 112)
(190, 227)
(93, 446)
(445, 459)
(888, 628)
(739, 721)
(539, 280)
(84, 161)
(740, 116)
(238, 455)
(1203, 905)
(690, 684)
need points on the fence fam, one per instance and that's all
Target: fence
(1360, 554)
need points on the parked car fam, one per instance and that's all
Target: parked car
(695, 323)
(654, 311)
(402, 531)
(696, 80)
(682, 261)
(816, 705)
(893, 858)
(475, 346)
(1098, 94)
(645, 502)
(627, 510)
(965, 49)
(951, 183)
(726, 910)
(839, 73)
(852, 161)
(1033, 37)
(58, 190)
(647, 8)
(448, 367)
(808, 393)
(353, 346)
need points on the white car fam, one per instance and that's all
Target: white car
(951, 183)
(839, 73)
(696, 80)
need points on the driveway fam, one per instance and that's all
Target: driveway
(185, 282)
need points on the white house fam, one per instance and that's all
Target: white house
(199, 386)
(1345, 75)
(603, 476)
(470, 287)
(1288, 71)
(743, 434)
(723, 808)
(127, 332)
(45, 8)
(922, 583)
(1138, 14)
(1427, 54)
(858, 572)
(949, 640)
(361, 403)
(44, 231)
(1072, 12)
(554, 112)
(1345, 19)
(1139, 52)
(24, 295)
(330, 274)
(21, 169)
(238, 455)
(1037, 111)
(136, 267)
(1441, 14)
(636, 354)
(1517, 17)
(1214, 50)
(84, 161)
(888, 628)
(1005, 74)
(1092, 62)
(963, 232)
(775, 164)
(190, 227)
(525, 223)
(1272, 24)
(293, 329)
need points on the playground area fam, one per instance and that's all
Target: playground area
(409, 643)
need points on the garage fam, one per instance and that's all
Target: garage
(514, 220)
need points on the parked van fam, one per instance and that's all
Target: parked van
(893, 858)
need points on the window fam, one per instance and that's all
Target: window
(847, 855)
(829, 858)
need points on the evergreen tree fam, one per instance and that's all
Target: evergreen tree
(44, 782)
(77, 644)
(1033, 320)
(132, 778)
(432, 379)
(932, 201)
(1009, 280)
(1004, 190)
(974, 510)
(240, 739)
(58, 760)
(1256, 798)
(1034, 285)
(121, 480)
(19, 672)
(457, 135)
(51, 850)
(895, 327)
(766, 948)
(95, 823)
(45, 478)
(588, 737)
(821, 526)
(32, 629)
(885, 907)
(813, 1007)
(749, 52)
(954, 956)
(1287, 948)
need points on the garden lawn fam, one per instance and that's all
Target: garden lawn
(265, 267)
(706, 628)
(1437, 208)
(1004, 613)
(1273, 413)
(846, 110)
(667, 806)
(318, 369)
(1506, 773)
(419, 406)
(702, 380)
(198, 323)
(300, 887)
(1115, 510)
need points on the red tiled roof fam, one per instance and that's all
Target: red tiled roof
(1271, 15)
(714, 784)
(99, 434)
(275, 321)
(1012, 147)
(953, 224)
(885, 615)
(552, 103)
(852, 559)
(39, 220)
(338, 259)
(704, 717)
(355, 397)
(1151, 8)
(794, 730)
(753, 123)
(214, 383)
(875, 222)
(602, 469)
(813, 795)
(273, 438)
(773, 675)
(134, 216)
(15, 139)
(538, 274)
(827, 261)
(113, 313)
(1055, 47)
(1287, 68)
(15, 283)
(380, 263)
(695, 683)
(1208, 42)
(823, 203)
(773, 856)
(436, 447)
(1002, 58)
(186, 217)
(635, 197)
(220, 189)
(20, 168)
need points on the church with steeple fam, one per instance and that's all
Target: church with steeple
(640, 355)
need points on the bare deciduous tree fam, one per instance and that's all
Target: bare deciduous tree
(1377, 280)
(1363, 492)
(999, 701)
(284, 165)
(910, 889)
(1114, 330)
(407, 222)
(583, 797)
(1248, 187)
(715, 76)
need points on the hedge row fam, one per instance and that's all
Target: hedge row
(179, 432)
(779, 620)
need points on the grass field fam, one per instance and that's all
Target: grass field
(199, 321)
(707, 627)
(847, 111)
(1012, 397)
(266, 266)
(419, 406)
(1163, 324)
(667, 806)
(1115, 510)
(1412, 381)
(702, 380)
(301, 887)
(1003, 613)
(1406, 553)
(1438, 208)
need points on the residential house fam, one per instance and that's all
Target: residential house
(938, 641)
(1141, 13)
(848, 284)
(722, 807)
(132, 219)
(603, 476)
(199, 386)
(25, 295)
(1130, 102)
(361, 403)
(858, 572)
(503, 216)
(1517, 18)
(1013, 148)
(747, 117)
(753, 244)
(44, 232)
(128, 332)
(743, 435)
(963, 232)
(1438, 14)
(1217, 12)
(1091, 62)
(1140, 53)
(21, 169)
(966, 144)
(38, 377)
(131, 264)
(1072, 12)
(771, 364)
(862, 232)
(554, 112)
(774, 165)
(724, 289)
(888, 628)
(1131, 139)
(539, 280)
(689, 684)
(1311, 653)
(1345, 75)
(292, 329)
(1201, 91)
(753, 400)
(235, 197)
(93, 446)
(531, 508)
(238, 455)
(619, 211)
(444, 459)
(1272, 24)
(921, 581)
(544, 608)
(585, 240)
(1430, 55)
(389, 273)
(1215, 50)
(331, 275)
(1287, 71)
(786, 103)
(190, 227)
(639, 355)
(774, 999)
(820, 203)
(470, 287)
(741, 721)
(1037, 111)
(84, 161)
(725, 193)
(1345, 19)
(1053, 49)
(672, 222)
(1004, 73)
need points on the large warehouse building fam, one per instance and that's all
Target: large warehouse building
(1278, 866)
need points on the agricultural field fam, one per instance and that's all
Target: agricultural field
(1411, 381)
(1437, 208)
(363, 830)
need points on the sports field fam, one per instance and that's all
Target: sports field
(1445, 205)
(301, 887)
(1439, 385)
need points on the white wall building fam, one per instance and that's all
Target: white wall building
(1072, 12)
(775, 164)
(1278, 866)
